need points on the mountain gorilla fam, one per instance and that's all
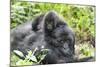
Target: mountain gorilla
(47, 31)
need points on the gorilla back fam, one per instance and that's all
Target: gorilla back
(47, 31)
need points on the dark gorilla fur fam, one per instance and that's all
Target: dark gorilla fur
(47, 31)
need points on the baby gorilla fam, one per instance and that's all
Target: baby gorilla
(47, 31)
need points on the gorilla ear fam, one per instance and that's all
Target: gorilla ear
(50, 21)
(36, 23)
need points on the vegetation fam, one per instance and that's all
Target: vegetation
(80, 18)
(30, 59)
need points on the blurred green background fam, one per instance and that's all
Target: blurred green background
(80, 18)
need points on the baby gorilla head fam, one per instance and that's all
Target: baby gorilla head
(59, 38)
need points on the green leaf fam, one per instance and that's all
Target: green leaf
(33, 58)
(19, 53)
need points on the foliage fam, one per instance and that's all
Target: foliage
(84, 50)
(29, 59)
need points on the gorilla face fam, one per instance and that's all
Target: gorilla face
(63, 37)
